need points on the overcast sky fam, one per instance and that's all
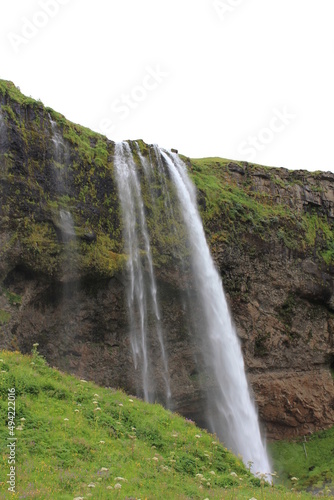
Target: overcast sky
(242, 79)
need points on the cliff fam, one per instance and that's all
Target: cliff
(63, 284)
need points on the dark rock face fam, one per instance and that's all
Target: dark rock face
(71, 298)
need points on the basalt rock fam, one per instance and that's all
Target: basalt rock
(270, 232)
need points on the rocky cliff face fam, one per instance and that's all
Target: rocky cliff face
(271, 234)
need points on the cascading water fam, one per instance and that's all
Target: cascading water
(142, 290)
(231, 413)
(65, 224)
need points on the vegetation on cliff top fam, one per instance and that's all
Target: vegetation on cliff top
(50, 165)
(233, 209)
(75, 438)
(77, 175)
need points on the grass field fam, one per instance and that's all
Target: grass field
(78, 440)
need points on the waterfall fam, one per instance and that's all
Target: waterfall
(66, 226)
(142, 289)
(61, 189)
(231, 413)
(60, 160)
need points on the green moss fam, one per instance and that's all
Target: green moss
(13, 298)
(232, 210)
(41, 248)
(100, 258)
(8, 88)
(4, 317)
(82, 181)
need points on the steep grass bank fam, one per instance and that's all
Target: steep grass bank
(310, 460)
(75, 439)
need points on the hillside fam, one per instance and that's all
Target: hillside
(75, 439)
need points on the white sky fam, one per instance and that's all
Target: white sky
(241, 79)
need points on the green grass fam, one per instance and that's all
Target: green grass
(65, 443)
(233, 210)
(310, 460)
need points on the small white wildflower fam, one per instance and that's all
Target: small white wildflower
(197, 436)
(294, 479)
(95, 403)
(212, 472)
(76, 410)
(66, 419)
(118, 486)
(84, 381)
(120, 404)
(22, 419)
(19, 428)
(102, 442)
(199, 475)
(91, 485)
(97, 409)
(131, 400)
(110, 488)
(96, 396)
(234, 474)
(155, 459)
(78, 498)
(119, 478)
(104, 469)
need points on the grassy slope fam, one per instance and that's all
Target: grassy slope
(311, 461)
(156, 452)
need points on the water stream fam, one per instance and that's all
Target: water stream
(231, 412)
(142, 289)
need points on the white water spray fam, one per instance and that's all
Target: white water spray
(233, 416)
(142, 292)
